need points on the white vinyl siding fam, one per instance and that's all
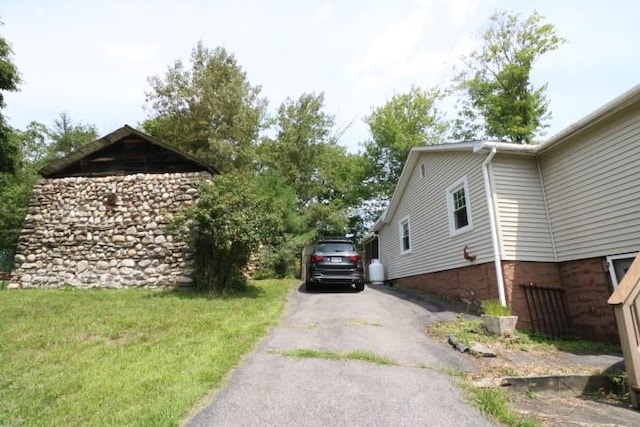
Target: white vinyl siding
(523, 224)
(425, 201)
(592, 186)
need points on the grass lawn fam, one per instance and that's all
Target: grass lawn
(126, 357)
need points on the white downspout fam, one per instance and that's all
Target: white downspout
(497, 257)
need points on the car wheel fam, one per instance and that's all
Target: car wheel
(359, 287)
(310, 287)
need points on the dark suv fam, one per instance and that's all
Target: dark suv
(334, 261)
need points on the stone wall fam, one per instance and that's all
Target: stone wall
(105, 232)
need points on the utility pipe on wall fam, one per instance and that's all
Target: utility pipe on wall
(497, 257)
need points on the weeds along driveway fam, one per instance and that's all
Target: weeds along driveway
(305, 373)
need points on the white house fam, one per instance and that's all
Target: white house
(476, 220)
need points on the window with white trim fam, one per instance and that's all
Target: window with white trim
(618, 266)
(405, 236)
(459, 207)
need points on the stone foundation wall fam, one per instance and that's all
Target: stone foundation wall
(105, 232)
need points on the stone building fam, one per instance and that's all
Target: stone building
(99, 216)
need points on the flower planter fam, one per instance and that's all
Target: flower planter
(500, 325)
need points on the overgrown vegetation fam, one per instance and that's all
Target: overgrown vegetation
(9, 81)
(496, 402)
(494, 308)
(225, 228)
(130, 357)
(470, 329)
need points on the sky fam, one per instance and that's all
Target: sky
(92, 59)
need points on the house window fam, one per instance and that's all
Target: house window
(423, 169)
(459, 207)
(618, 266)
(405, 236)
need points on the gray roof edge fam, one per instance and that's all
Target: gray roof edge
(617, 104)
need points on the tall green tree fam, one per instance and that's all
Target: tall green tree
(289, 227)
(302, 132)
(304, 153)
(407, 120)
(501, 102)
(67, 136)
(15, 187)
(207, 108)
(9, 80)
(34, 145)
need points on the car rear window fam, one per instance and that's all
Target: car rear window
(328, 247)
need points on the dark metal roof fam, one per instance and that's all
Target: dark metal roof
(57, 166)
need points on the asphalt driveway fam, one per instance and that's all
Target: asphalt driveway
(272, 389)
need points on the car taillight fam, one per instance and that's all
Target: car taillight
(317, 258)
(355, 258)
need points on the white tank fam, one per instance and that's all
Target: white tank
(376, 272)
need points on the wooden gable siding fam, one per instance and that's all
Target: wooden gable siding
(424, 201)
(592, 187)
(523, 223)
(129, 155)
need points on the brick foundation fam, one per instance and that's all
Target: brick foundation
(516, 273)
(586, 284)
(475, 283)
(588, 288)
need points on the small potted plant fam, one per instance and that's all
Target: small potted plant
(498, 318)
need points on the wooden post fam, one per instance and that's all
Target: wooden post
(625, 304)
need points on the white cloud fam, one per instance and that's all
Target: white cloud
(389, 53)
(462, 12)
(325, 11)
(421, 47)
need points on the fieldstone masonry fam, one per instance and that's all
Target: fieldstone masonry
(106, 232)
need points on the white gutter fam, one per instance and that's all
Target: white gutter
(497, 257)
(507, 147)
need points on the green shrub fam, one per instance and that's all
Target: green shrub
(225, 228)
(282, 260)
